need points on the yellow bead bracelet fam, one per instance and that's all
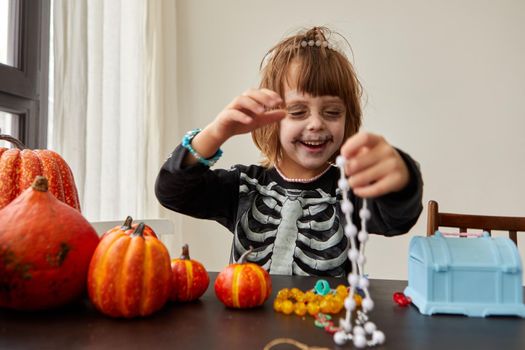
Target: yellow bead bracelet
(294, 300)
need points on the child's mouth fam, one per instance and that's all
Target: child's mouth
(314, 146)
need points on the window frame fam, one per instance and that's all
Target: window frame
(24, 89)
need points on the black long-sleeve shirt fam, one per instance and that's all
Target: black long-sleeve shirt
(294, 228)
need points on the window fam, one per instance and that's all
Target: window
(24, 60)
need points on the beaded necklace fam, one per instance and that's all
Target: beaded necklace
(360, 330)
(304, 181)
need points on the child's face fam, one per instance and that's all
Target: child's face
(311, 133)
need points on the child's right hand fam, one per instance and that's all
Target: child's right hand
(247, 112)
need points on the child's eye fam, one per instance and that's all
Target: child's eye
(334, 113)
(297, 113)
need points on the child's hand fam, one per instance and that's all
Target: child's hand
(245, 113)
(253, 109)
(374, 167)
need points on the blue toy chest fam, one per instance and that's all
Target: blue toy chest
(471, 276)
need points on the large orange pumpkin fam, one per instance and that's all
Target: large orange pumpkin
(243, 285)
(128, 227)
(45, 250)
(19, 167)
(190, 278)
(129, 275)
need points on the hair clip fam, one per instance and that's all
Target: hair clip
(318, 43)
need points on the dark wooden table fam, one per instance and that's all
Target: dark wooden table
(207, 324)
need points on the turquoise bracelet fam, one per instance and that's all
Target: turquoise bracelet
(186, 143)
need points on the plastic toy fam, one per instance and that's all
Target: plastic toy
(471, 276)
(401, 299)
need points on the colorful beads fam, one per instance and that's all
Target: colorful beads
(300, 303)
(287, 307)
(341, 289)
(401, 299)
(313, 308)
(325, 321)
(300, 309)
(322, 287)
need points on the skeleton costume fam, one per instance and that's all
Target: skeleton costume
(294, 228)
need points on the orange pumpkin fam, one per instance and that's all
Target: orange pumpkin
(129, 275)
(128, 227)
(243, 285)
(190, 278)
(19, 167)
(45, 250)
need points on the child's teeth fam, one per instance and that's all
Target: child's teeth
(313, 143)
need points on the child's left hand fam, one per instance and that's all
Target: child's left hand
(374, 167)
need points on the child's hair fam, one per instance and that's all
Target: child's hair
(322, 70)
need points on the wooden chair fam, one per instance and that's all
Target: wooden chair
(464, 222)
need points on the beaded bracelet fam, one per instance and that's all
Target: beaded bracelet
(186, 143)
(295, 301)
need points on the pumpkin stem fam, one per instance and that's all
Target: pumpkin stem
(139, 231)
(127, 223)
(40, 184)
(18, 144)
(185, 252)
(242, 259)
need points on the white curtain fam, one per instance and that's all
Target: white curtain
(108, 101)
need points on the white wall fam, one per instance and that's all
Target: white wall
(445, 81)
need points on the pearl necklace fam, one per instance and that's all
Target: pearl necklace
(361, 331)
(304, 181)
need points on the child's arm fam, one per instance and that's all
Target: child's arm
(198, 191)
(189, 187)
(253, 109)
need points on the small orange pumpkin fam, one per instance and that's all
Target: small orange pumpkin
(45, 250)
(190, 278)
(19, 167)
(128, 227)
(129, 275)
(243, 285)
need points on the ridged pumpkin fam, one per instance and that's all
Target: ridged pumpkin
(190, 278)
(128, 227)
(129, 275)
(45, 251)
(243, 285)
(19, 167)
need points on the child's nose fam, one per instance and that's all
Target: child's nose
(315, 122)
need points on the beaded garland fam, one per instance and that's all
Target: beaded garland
(360, 330)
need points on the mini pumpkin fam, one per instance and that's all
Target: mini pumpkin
(243, 284)
(128, 227)
(19, 167)
(190, 278)
(129, 275)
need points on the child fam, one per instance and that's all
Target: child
(305, 112)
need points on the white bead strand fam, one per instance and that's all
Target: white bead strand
(360, 331)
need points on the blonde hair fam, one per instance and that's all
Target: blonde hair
(322, 70)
